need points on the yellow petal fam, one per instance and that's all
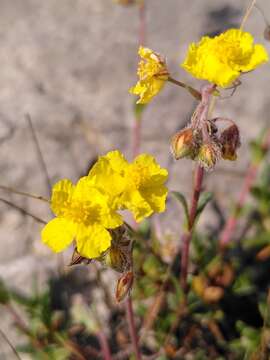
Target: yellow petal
(58, 234)
(107, 176)
(61, 195)
(92, 241)
(85, 192)
(221, 59)
(144, 52)
(156, 197)
(111, 219)
(117, 160)
(134, 202)
(155, 175)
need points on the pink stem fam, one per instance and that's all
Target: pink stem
(231, 223)
(250, 178)
(103, 342)
(200, 121)
(132, 328)
(188, 235)
(136, 137)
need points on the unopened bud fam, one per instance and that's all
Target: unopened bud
(213, 294)
(199, 284)
(124, 285)
(183, 144)
(230, 141)
(208, 155)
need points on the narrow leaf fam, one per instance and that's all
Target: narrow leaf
(203, 201)
(181, 198)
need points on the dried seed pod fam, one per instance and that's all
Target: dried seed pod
(124, 285)
(183, 144)
(119, 255)
(208, 155)
(230, 142)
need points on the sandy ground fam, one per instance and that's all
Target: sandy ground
(69, 65)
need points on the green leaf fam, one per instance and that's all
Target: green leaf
(182, 200)
(203, 201)
(243, 285)
(4, 293)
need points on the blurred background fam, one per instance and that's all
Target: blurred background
(69, 65)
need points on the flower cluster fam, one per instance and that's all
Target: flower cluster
(223, 58)
(88, 211)
(207, 143)
(219, 60)
(152, 73)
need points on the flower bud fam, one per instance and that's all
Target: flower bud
(230, 141)
(124, 285)
(208, 155)
(213, 294)
(183, 144)
(199, 284)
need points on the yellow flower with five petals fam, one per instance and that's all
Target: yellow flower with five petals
(223, 58)
(83, 215)
(152, 73)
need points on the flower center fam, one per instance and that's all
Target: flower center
(85, 213)
(136, 176)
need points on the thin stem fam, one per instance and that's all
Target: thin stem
(10, 345)
(39, 153)
(103, 342)
(37, 197)
(23, 211)
(247, 13)
(198, 120)
(132, 328)
(17, 319)
(188, 235)
(262, 14)
(250, 178)
(137, 130)
(195, 93)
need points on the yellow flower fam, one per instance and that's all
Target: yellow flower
(152, 73)
(83, 215)
(138, 187)
(222, 59)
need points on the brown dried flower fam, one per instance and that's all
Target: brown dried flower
(183, 144)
